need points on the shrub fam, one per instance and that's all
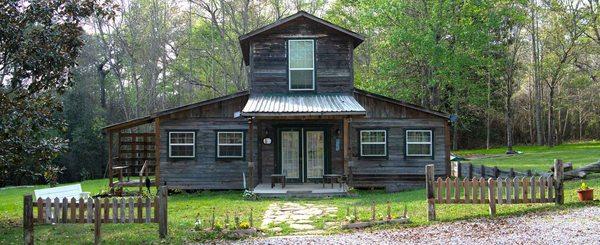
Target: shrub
(51, 173)
(249, 195)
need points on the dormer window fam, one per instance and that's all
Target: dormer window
(301, 64)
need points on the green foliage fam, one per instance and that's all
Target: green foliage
(39, 44)
(583, 186)
(51, 173)
(249, 195)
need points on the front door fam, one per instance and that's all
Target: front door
(302, 154)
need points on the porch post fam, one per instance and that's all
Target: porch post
(110, 160)
(251, 155)
(157, 151)
(346, 145)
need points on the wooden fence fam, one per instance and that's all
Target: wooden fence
(468, 170)
(95, 210)
(493, 191)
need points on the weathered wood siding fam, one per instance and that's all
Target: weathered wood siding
(379, 108)
(396, 168)
(269, 61)
(205, 171)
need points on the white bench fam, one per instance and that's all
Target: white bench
(68, 191)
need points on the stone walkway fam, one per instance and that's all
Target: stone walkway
(298, 216)
(572, 226)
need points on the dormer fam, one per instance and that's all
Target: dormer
(300, 54)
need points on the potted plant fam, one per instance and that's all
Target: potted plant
(585, 193)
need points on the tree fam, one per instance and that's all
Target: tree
(561, 41)
(537, 108)
(39, 44)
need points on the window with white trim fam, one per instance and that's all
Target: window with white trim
(182, 144)
(301, 64)
(373, 143)
(230, 144)
(419, 143)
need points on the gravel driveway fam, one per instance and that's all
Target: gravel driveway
(574, 226)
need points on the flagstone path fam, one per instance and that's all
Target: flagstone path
(299, 217)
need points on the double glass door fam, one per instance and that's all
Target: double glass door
(302, 154)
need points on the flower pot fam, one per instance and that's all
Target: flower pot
(586, 195)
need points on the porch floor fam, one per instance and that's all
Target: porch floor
(301, 190)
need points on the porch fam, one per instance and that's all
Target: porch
(301, 190)
(132, 154)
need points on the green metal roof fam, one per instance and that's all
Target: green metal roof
(302, 104)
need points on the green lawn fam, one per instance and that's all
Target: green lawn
(184, 207)
(538, 158)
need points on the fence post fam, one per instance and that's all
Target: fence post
(492, 196)
(389, 210)
(512, 173)
(251, 220)
(162, 212)
(28, 219)
(97, 221)
(470, 171)
(373, 211)
(558, 182)
(482, 171)
(458, 169)
(429, 172)
(496, 172)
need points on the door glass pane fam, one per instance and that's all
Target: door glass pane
(290, 154)
(315, 154)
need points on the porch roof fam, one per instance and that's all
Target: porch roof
(302, 104)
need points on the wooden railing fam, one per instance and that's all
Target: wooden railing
(95, 210)
(493, 190)
(468, 170)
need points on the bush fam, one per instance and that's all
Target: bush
(249, 195)
(51, 173)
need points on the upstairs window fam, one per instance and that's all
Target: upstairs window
(373, 143)
(301, 64)
(182, 144)
(418, 143)
(230, 144)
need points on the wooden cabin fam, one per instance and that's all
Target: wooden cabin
(301, 120)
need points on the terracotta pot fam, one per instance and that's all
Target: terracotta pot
(586, 195)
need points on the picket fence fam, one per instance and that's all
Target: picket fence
(493, 191)
(96, 211)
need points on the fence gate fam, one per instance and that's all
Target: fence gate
(493, 191)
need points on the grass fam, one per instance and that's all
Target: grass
(538, 158)
(184, 208)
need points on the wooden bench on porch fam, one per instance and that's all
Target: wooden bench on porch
(278, 178)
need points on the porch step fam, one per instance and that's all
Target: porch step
(299, 190)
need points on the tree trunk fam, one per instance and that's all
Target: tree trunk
(564, 128)
(551, 117)
(102, 82)
(508, 113)
(488, 113)
(536, 81)
(455, 128)
(580, 126)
